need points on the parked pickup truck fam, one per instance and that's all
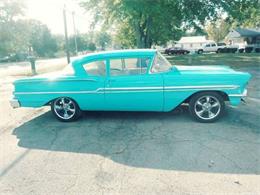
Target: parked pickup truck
(217, 47)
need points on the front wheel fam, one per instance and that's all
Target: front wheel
(65, 109)
(207, 107)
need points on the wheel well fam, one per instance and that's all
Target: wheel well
(223, 94)
(49, 102)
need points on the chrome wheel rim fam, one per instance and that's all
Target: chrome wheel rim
(64, 108)
(207, 107)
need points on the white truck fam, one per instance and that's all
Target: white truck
(217, 47)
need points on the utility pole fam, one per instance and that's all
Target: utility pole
(66, 34)
(75, 33)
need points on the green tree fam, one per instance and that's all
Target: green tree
(92, 46)
(103, 39)
(152, 21)
(11, 10)
(218, 30)
(11, 29)
(17, 34)
(41, 39)
(82, 43)
(242, 13)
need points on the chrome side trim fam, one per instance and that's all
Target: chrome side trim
(57, 92)
(55, 79)
(203, 87)
(134, 89)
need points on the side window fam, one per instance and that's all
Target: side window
(129, 66)
(213, 45)
(96, 68)
(208, 45)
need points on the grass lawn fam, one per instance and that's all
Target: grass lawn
(229, 59)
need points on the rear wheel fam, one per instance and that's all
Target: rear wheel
(65, 109)
(207, 107)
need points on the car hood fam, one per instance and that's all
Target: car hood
(213, 74)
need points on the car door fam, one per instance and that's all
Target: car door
(130, 87)
(91, 85)
(207, 48)
(213, 47)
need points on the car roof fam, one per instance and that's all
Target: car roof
(117, 53)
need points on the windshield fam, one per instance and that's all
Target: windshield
(160, 64)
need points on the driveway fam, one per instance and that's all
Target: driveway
(129, 152)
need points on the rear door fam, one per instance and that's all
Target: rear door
(91, 85)
(130, 87)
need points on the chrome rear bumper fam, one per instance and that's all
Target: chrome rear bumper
(15, 103)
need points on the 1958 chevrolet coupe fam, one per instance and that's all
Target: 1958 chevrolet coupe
(132, 80)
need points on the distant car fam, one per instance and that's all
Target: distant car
(17, 57)
(210, 47)
(217, 47)
(5, 59)
(132, 80)
(176, 51)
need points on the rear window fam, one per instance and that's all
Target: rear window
(96, 68)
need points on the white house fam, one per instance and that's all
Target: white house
(191, 43)
(244, 38)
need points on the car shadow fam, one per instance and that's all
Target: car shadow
(169, 141)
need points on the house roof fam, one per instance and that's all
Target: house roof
(244, 32)
(193, 39)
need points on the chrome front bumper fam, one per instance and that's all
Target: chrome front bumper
(15, 103)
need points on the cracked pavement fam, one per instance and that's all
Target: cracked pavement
(130, 152)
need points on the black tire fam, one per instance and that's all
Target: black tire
(200, 51)
(241, 50)
(68, 106)
(208, 107)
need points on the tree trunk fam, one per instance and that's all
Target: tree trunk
(148, 32)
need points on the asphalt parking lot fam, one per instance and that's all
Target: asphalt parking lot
(129, 152)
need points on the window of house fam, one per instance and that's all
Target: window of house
(129, 66)
(96, 68)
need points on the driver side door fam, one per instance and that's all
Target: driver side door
(130, 86)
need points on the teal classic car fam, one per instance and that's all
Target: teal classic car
(132, 80)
